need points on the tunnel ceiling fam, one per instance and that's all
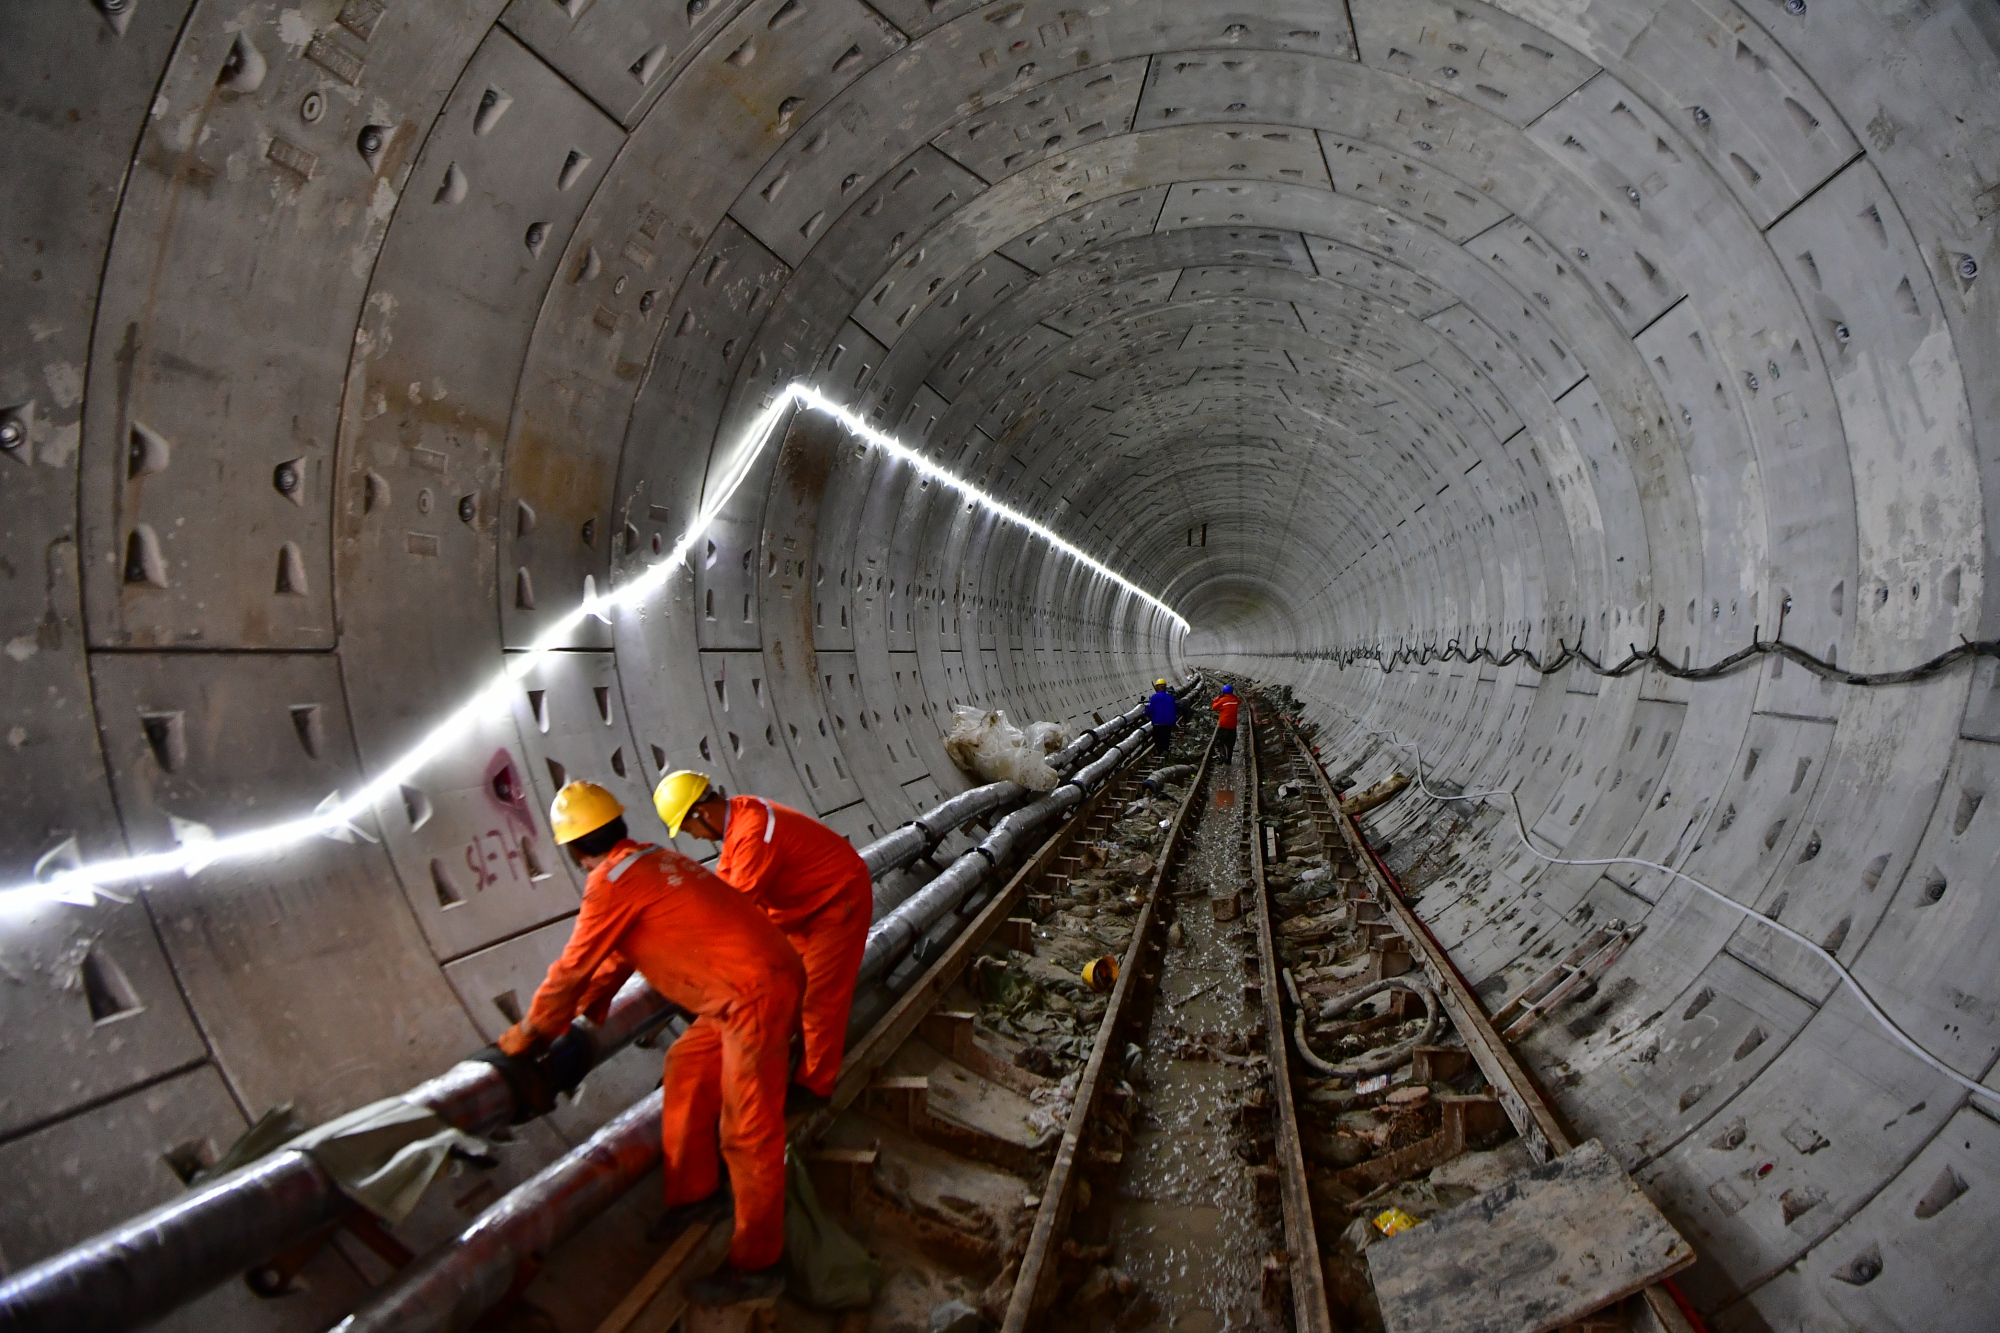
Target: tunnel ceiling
(352, 341)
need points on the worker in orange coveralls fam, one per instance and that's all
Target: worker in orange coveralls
(700, 945)
(813, 886)
(1225, 706)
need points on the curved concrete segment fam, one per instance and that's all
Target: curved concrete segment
(354, 343)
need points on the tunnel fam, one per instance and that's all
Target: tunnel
(1481, 373)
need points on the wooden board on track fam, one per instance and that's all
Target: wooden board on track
(1538, 1252)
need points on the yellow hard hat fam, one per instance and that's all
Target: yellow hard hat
(1161, 684)
(1101, 974)
(580, 808)
(676, 795)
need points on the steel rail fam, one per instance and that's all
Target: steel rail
(1533, 1118)
(1035, 1285)
(1310, 1313)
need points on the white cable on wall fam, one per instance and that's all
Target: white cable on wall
(1867, 1002)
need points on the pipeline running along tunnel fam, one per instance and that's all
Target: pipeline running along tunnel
(1426, 359)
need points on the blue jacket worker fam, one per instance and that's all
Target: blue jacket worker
(1163, 710)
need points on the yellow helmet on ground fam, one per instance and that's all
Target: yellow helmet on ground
(1101, 974)
(580, 808)
(676, 795)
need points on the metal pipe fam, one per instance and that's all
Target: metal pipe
(901, 926)
(1094, 772)
(966, 807)
(452, 1286)
(139, 1271)
(637, 1011)
(1070, 755)
(893, 851)
(922, 835)
(142, 1269)
(890, 937)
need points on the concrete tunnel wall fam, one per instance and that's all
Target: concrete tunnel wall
(348, 338)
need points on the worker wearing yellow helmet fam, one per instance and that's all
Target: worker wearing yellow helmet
(814, 887)
(699, 944)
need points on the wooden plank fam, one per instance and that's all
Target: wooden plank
(1309, 1306)
(1543, 1250)
(664, 1270)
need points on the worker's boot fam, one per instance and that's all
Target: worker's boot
(730, 1285)
(801, 1100)
(717, 1207)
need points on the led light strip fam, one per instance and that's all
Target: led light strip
(902, 453)
(335, 818)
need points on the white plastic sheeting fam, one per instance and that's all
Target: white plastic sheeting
(985, 745)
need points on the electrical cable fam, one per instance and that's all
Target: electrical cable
(1867, 1001)
(1389, 660)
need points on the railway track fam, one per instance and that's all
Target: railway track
(1284, 1066)
(1473, 1118)
(1021, 1151)
(1284, 1059)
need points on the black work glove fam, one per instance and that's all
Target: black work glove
(534, 1094)
(566, 1061)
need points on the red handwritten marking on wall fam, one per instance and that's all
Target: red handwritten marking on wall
(481, 859)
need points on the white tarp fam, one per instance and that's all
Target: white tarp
(985, 745)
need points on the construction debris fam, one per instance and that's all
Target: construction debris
(1379, 794)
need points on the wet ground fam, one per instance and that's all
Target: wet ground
(1185, 1222)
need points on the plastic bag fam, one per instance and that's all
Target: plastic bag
(1046, 737)
(1394, 1222)
(987, 746)
(825, 1268)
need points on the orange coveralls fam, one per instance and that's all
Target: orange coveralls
(816, 889)
(702, 946)
(1225, 707)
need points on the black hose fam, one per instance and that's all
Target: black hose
(1375, 1062)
